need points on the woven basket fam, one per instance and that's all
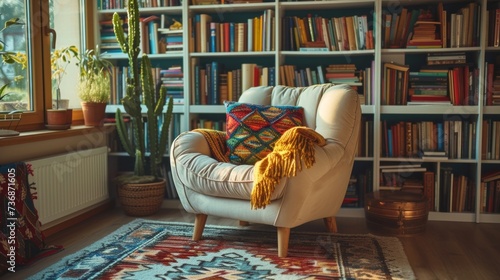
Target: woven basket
(142, 199)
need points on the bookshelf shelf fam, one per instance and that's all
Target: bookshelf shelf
(283, 54)
(368, 109)
(319, 5)
(232, 7)
(110, 108)
(207, 109)
(430, 50)
(164, 10)
(428, 109)
(329, 53)
(491, 110)
(233, 54)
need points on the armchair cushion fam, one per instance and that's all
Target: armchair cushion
(253, 129)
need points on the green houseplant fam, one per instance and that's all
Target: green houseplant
(94, 87)
(60, 116)
(141, 193)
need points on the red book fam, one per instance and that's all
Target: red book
(466, 96)
(256, 76)
(226, 37)
(429, 186)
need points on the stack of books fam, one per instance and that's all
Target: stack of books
(449, 58)
(396, 177)
(425, 35)
(173, 79)
(429, 87)
(344, 74)
(109, 43)
(434, 155)
(170, 40)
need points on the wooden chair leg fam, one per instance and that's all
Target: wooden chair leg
(199, 225)
(331, 224)
(244, 223)
(283, 237)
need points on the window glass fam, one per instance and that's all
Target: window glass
(65, 18)
(14, 76)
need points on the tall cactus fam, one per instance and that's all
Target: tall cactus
(140, 83)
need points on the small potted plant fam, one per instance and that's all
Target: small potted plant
(94, 86)
(59, 117)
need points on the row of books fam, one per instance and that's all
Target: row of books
(365, 143)
(213, 84)
(490, 140)
(291, 76)
(205, 123)
(492, 83)
(360, 183)
(453, 139)
(457, 85)
(171, 78)
(490, 192)
(316, 33)
(453, 193)
(410, 28)
(493, 20)
(457, 192)
(156, 35)
(254, 34)
(463, 26)
(430, 28)
(122, 4)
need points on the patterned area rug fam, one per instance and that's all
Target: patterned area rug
(147, 249)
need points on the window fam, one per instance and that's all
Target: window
(31, 89)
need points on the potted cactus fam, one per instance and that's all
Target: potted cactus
(143, 192)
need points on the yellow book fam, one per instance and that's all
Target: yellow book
(230, 86)
(255, 33)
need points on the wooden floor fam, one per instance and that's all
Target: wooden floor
(447, 250)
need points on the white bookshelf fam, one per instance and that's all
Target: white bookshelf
(379, 55)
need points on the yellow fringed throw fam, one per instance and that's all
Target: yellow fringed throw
(217, 143)
(293, 147)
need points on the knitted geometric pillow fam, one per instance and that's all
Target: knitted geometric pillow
(251, 130)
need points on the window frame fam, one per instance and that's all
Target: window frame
(40, 72)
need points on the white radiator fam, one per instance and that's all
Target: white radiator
(68, 183)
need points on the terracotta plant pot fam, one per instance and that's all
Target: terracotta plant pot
(94, 113)
(57, 117)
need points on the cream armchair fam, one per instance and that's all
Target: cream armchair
(208, 187)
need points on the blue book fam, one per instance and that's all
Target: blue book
(272, 76)
(208, 73)
(215, 83)
(213, 37)
(232, 37)
(389, 142)
(153, 37)
(440, 135)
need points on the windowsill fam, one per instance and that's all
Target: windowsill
(46, 134)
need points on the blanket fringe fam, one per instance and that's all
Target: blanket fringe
(295, 146)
